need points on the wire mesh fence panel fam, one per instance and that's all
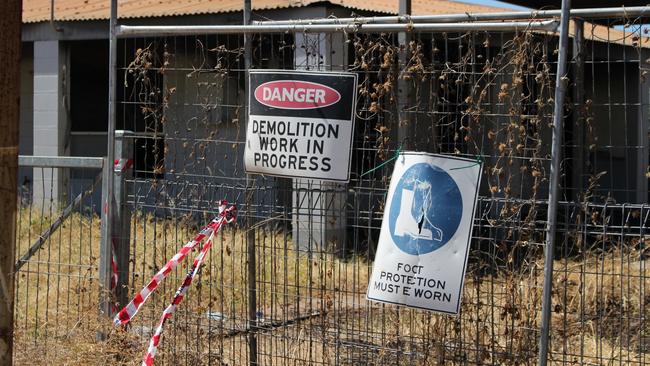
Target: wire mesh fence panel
(286, 284)
(57, 249)
(483, 95)
(600, 279)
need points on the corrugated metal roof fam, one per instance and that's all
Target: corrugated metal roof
(77, 10)
(73, 10)
(419, 7)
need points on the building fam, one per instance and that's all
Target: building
(65, 89)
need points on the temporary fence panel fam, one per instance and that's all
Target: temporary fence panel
(485, 95)
(57, 251)
(286, 284)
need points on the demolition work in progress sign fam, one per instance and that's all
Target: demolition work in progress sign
(300, 124)
(425, 232)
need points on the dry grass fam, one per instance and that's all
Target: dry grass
(600, 306)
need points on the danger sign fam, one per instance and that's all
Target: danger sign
(300, 124)
(425, 232)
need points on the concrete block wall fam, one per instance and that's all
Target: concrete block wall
(319, 217)
(50, 118)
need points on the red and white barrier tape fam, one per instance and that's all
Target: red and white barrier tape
(128, 312)
(114, 274)
(178, 297)
(226, 215)
(120, 165)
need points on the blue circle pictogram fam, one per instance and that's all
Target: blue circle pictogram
(426, 209)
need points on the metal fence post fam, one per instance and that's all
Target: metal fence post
(107, 181)
(105, 247)
(578, 164)
(405, 122)
(121, 213)
(116, 226)
(250, 192)
(554, 188)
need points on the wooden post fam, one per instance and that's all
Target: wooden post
(10, 22)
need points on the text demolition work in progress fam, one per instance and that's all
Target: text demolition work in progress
(277, 137)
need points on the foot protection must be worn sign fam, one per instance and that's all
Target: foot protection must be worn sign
(425, 232)
(300, 124)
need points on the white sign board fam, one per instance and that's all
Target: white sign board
(425, 232)
(300, 124)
